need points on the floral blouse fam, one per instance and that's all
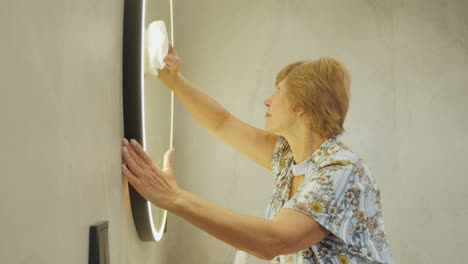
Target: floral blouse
(339, 192)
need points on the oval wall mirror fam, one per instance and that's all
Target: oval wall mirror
(147, 105)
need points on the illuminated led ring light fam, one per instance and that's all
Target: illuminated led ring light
(133, 107)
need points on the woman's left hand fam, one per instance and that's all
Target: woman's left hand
(156, 185)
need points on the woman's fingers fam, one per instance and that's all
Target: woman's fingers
(169, 73)
(171, 49)
(140, 152)
(168, 159)
(135, 156)
(130, 177)
(131, 162)
(172, 59)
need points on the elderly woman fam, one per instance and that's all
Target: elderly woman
(325, 207)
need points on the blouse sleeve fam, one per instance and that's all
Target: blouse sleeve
(331, 198)
(278, 160)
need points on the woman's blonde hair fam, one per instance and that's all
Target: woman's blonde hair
(322, 88)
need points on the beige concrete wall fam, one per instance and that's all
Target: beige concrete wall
(61, 119)
(407, 116)
(61, 125)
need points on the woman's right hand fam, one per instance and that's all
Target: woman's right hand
(170, 73)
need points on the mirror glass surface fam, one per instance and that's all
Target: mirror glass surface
(157, 107)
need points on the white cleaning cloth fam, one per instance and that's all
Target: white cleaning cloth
(241, 257)
(156, 46)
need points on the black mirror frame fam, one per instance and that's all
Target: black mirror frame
(132, 80)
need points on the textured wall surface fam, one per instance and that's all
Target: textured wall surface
(407, 116)
(61, 125)
(61, 119)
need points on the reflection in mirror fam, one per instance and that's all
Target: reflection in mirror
(157, 109)
(148, 105)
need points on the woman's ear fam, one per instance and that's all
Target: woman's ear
(299, 110)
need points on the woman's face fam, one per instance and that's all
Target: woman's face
(280, 119)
